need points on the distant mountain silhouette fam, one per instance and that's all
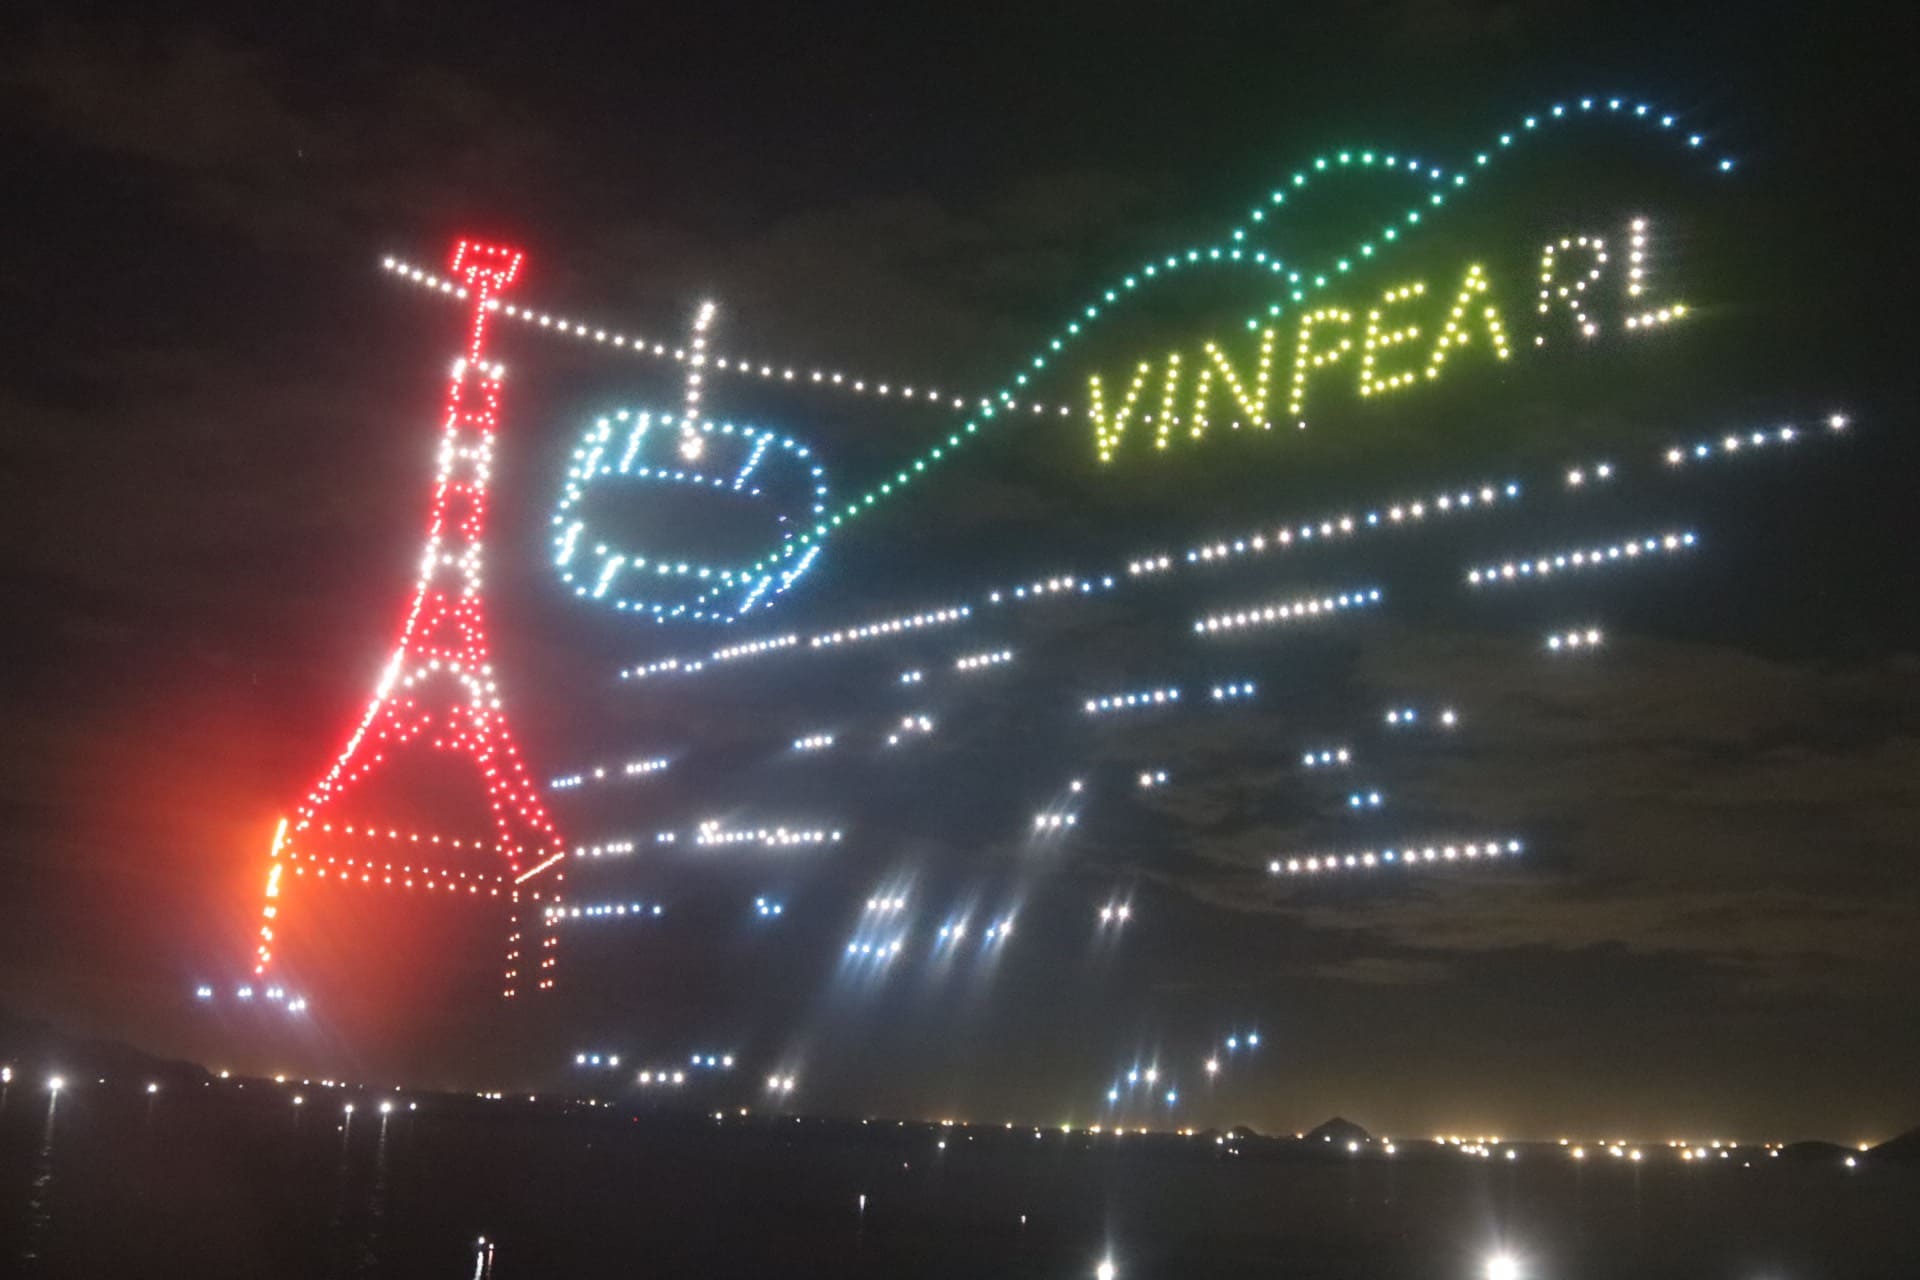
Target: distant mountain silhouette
(35, 1048)
(1338, 1131)
(1814, 1150)
(1904, 1149)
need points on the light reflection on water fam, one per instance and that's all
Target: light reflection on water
(370, 1239)
(40, 1194)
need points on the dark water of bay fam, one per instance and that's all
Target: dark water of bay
(225, 1181)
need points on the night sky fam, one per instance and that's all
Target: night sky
(217, 433)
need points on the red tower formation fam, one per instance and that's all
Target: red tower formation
(438, 691)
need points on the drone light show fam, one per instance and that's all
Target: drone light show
(1287, 467)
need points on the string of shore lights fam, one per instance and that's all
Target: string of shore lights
(1270, 539)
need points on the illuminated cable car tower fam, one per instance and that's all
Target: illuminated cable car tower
(438, 692)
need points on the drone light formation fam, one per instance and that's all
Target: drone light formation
(1388, 343)
(438, 688)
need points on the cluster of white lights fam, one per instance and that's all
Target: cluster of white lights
(713, 1061)
(1054, 821)
(1326, 757)
(917, 723)
(711, 832)
(664, 1076)
(1149, 1076)
(780, 1084)
(813, 742)
(246, 991)
(754, 647)
(1000, 930)
(1566, 561)
(596, 1060)
(1579, 638)
(877, 950)
(613, 848)
(1364, 800)
(767, 908)
(1287, 611)
(603, 910)
(912, 677)
(1577, 477)
(1124, 701)
(975, 661)
(887, 905)
(1116, 913)
(630, 769)
(1735, 443)
(1233, 691)
(892, 626)
(1404, 717)
(1043, 587)
(1150, 778)
(662, 667)
(1318, 863)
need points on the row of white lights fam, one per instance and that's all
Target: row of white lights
(975, 661)
(1124, 701)
(892, 626)
(1578, 638)
(1582, 558)
(1405, 717)
(1737, 442)
(611, 848)
(604, 910)
(712, 833)
(1287, 611)
(629, 769)
(1332, 527)
(1317, 863)
(737, 365)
